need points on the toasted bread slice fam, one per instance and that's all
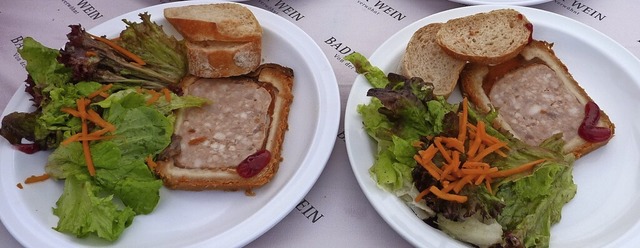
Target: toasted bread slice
(247, 114)
(535, 96)
(425, 59)
(214, 22)
(486, 38)
(222, 39)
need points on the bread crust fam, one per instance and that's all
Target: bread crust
(471, 83)
(176, 177)
(486, 38)
(425, 59)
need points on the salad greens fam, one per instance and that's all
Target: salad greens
(521, 207)
(123, 186)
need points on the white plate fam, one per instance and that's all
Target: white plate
(501, 2)
(226, 219)
(605, 210)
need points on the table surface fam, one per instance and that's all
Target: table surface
(346, 217)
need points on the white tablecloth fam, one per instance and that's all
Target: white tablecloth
(335, 212)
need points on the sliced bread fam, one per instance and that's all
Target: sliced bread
(214, 22)
(486, 38)
(425, 59)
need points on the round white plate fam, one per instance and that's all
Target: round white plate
(605, 211)
(223, 219)
(501, 2)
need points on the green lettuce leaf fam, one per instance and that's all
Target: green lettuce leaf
(374, 75)
(82, 212)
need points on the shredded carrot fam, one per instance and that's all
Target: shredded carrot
(457, 171)
(447, 196)
(487, 151)
(71, 111)
(90, 53)
(72, 138)
(421, 195)
(445, 153)
(95, 118)
(154, 96)
(35, 179)
(167, 94)
(84, 137)
(417, 143)
(87, 151)
(431, 168)
(453, 143)
(120, 49)
(516, 170)
(152, 164)
(100, 91)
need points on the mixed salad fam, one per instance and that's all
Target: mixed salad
(105, 108)
(456, 171)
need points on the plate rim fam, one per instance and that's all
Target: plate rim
(284, 200)
(353, 119)
(489, 2)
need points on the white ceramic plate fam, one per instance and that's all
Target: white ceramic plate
(605, 210)
(501, 2)
(223, 219)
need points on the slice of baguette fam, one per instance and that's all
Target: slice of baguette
(425, 59)
(215, 59)
(214, 22)
(246, 114)
(535, 96)
(222, 39)
(486, 38)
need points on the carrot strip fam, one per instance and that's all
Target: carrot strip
(94, 138)
(417, 143)
(487, 183)
(72, 112)
(152, 164)
(121, 50)
(154, 97)
(443, 151)
(516, 170)
(479, 179)
(431, 168)
(487, 151)
(422, 195)
(35, 179)
(87, 151)
(474, 165)
(72, 138)
(447, 186)
(475, 146)
(447, 196)
(453, 143)
(95, 118)
(101, 90)
(167, 94)
(429, 153)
